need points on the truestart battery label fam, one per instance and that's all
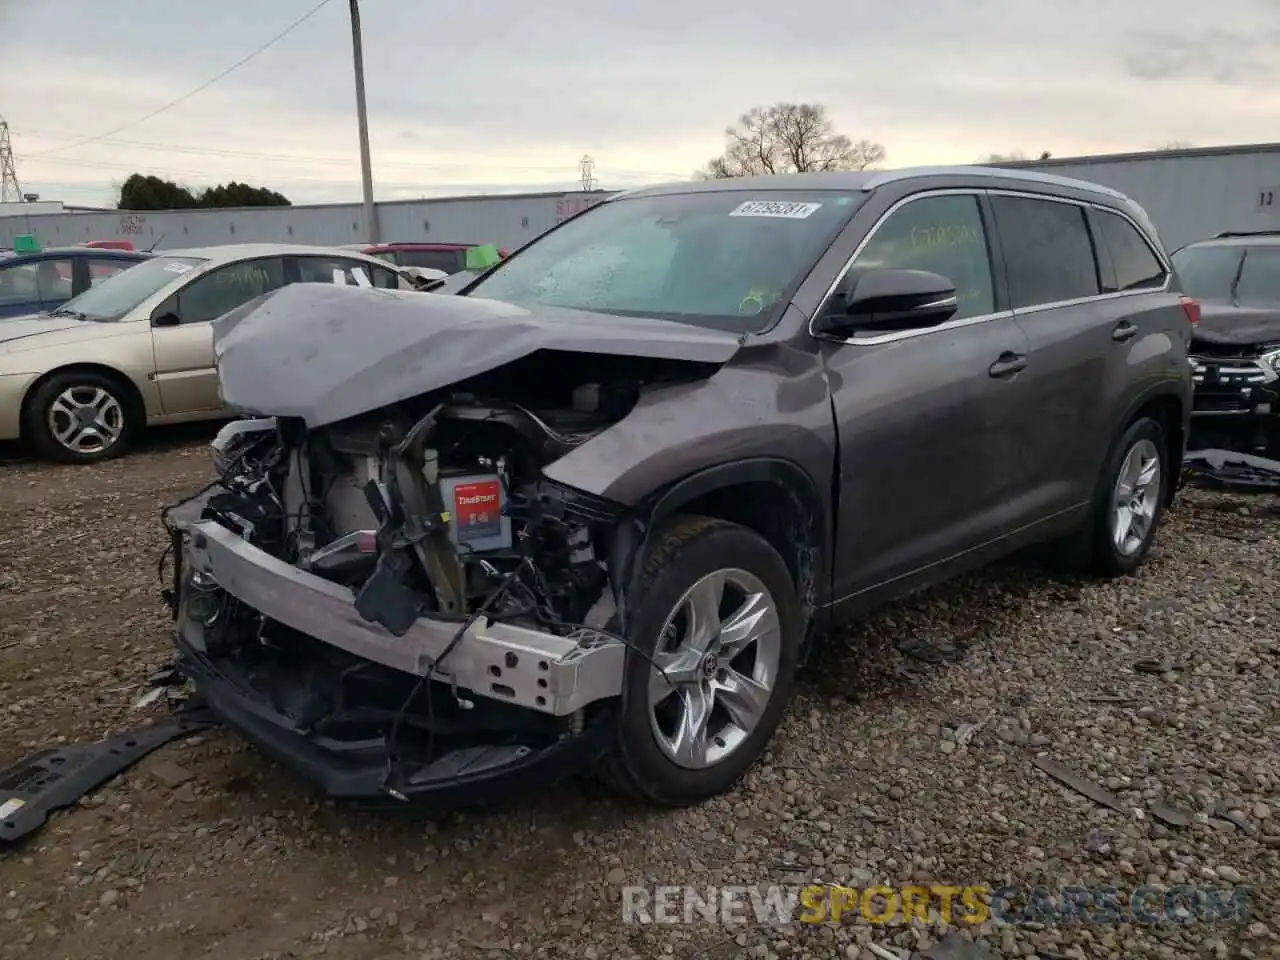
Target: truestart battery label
(477, 510)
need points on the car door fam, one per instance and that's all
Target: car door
(182, 335)
(930, 459)
(1055, 286)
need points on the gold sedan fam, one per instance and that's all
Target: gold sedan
(136, 350)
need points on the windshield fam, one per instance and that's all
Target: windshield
(112, 298)
(725, 259)
(1231, 273)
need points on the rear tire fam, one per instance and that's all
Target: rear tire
(80, 416)
(1130, 500)
(732, 691)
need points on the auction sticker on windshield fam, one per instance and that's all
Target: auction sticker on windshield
(788, 210)
(178, 267)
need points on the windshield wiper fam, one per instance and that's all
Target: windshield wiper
(64, 312)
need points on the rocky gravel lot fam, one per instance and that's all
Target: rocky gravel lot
(910, 755)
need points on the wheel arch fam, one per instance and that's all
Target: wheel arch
(135, 403)
(771, 496)
(1165, 404)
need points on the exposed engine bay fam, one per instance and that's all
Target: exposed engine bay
(484, 596)
(429, 511)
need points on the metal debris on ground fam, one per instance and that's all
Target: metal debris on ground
(965, 732)
(1079, 784)
(884, 952)
(50, 780)
(148, 698)
(1228, 470)
(1173, 817)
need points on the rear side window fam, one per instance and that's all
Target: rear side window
(18, 285)
(1136, 265)
(100, 270)
(324, 270)
(1048, 251)
(450, 261)
(383, 278)
(219, 291)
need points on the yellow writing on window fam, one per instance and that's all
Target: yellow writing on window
(943, 235)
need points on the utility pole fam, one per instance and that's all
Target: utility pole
(366, 165)
(586, 170)
(9, 189)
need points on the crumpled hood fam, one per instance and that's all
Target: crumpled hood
(326, 352)
(1223, 323)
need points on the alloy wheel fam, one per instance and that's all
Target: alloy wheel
(86, 419)
(1135, 498)
(719, 651)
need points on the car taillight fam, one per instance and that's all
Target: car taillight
(1191, 308)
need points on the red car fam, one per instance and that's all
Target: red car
(449, 257)
(109, 244)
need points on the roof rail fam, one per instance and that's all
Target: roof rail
(1246, 233)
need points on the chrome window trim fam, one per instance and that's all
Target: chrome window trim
(977, 192)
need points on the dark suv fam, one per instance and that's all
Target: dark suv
(1236, 349)
(593, 508)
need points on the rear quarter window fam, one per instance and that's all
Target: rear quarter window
(1136, 265)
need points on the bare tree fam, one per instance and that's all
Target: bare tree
(789, 138)
(1176, 145)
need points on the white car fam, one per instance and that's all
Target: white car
(136, 349)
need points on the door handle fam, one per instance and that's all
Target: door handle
(1124, 331)
(1008, 364)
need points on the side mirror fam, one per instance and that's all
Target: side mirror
(884, 301)
(166, 314)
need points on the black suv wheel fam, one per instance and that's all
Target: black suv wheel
(1129, 502)
(719, 614)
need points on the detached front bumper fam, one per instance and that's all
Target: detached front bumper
(504, 662)
(506, 669)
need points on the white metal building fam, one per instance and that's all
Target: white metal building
(1189, 194)
(509, 221)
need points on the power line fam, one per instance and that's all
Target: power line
(303, 161)
(191, 93)
(338, 161)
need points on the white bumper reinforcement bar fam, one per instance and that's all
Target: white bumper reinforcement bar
(513, 664)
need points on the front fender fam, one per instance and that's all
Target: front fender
(775, 404)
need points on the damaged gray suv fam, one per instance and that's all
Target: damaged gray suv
(592, 510)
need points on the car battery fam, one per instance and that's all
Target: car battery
(476, 503)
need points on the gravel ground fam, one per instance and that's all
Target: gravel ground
(873, 777)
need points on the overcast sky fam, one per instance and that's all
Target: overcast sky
(507, 94)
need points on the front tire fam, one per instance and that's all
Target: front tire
(1130, 500)
(718, 612)
(80, 416)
